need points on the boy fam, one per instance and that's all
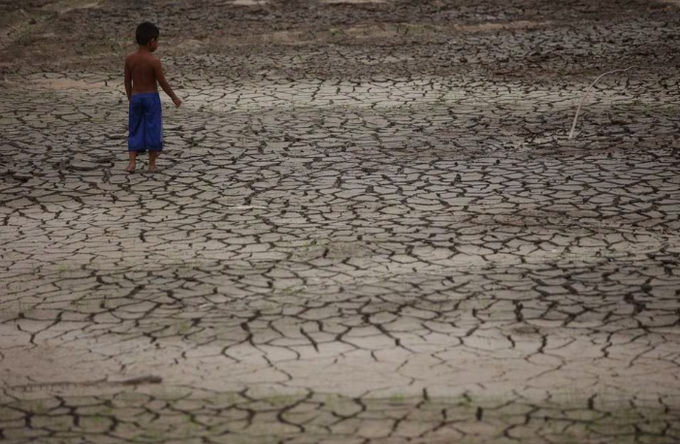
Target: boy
(142, 73)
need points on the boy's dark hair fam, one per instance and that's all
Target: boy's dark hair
(146, 32)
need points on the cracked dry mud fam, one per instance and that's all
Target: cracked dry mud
(369, 225)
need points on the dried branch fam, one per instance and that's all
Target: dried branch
(583, 99)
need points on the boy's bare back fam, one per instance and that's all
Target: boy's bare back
(143, 74)
(142, 69)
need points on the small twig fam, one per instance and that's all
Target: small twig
(583, 99)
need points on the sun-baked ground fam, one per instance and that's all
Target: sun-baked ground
(370, 224)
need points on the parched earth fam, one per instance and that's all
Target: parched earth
(370, 224)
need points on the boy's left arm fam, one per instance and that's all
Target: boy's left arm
(160, 77)
(128, 80)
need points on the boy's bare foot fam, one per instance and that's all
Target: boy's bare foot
(132, 161)
(153, 155)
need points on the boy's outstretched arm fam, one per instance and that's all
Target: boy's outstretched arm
(128, 81)
(158, 69)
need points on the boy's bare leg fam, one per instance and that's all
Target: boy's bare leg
(133, 161)
(152, 160)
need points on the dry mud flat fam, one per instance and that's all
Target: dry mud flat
(370, 226)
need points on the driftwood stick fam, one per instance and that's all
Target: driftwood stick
(583, 99)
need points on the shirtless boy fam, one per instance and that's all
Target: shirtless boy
(143, 72)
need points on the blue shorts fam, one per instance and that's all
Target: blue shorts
(146, 123)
